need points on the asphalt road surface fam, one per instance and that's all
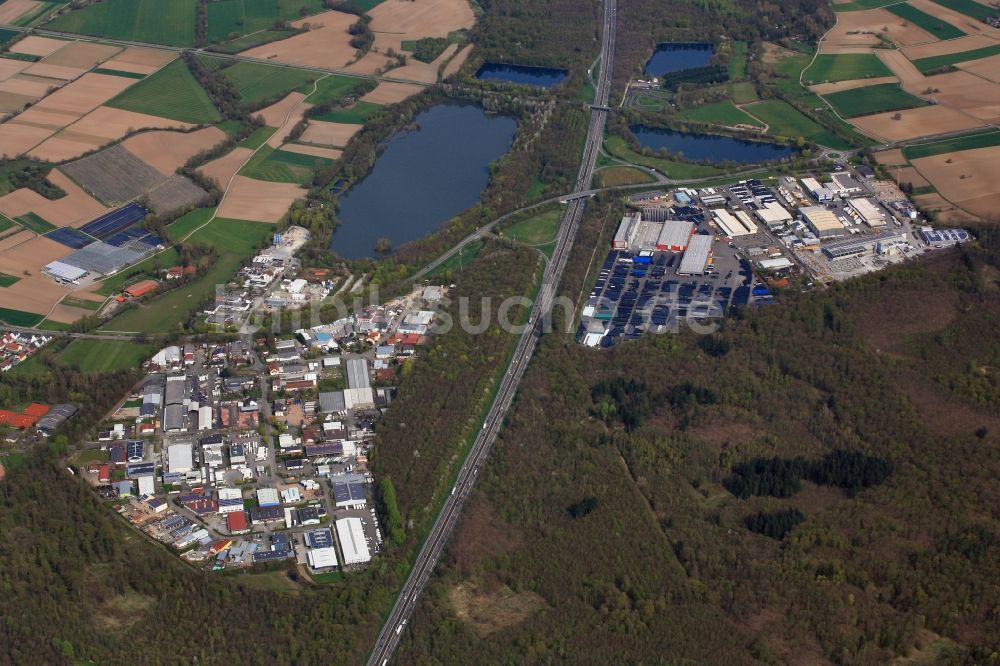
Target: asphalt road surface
(395, 624)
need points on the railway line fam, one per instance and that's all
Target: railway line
(391, 633)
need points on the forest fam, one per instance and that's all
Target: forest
(605, 527)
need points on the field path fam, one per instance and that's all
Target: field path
(229, 184)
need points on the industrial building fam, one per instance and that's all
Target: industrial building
(54, 418)
(732, 225)
(822, 221)
(351, 535)
(359, 394)
(817, 191)
(349, 495)
(180, 457)
(886, 242)
(674, 235)
(872, 215)
(843, 185)
(696, 256)
(322, 558)
(773, 215)
(931, 236)
(626, 231)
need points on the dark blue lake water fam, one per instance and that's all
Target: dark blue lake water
(673, 57)
(699, 147)
(546, 77)
(422, 179)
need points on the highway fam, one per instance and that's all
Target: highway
(430, 552)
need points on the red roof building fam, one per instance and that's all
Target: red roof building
(236, 522)
(141, 288)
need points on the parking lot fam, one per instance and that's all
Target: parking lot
(631, 299)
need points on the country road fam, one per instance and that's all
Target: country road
(389, 637)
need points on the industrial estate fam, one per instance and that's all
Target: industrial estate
(230, 231)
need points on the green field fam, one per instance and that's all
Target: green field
(7, 280)
(722, 113)
(537, 230)
(984, 139)
(738, 61)
(185, 224)
(333, 88)
(35, 222)
(172, 92)
(258, 138)
(27, 57)
(239, 237)
(787, 121)
(250, 41)
(933, 63)
(458, 261)
(104, 355)
(744, 92)
(873, 99)
(844, 67)
(84, 303)
(170, 22)
(146, 268)
(118, 72)
(932, 24)
(19, 317)
(280, 166)
(259, 83)
(7, 35)
(355, 115)
(6, 223)
(236, 241)
(365, 5)
(969, 8)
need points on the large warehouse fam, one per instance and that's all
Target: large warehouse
(869, 212)
(351, 535)
(695, 258)
(823, 222)
(731, 225)
(674, 235)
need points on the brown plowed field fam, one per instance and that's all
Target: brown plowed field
(987, 68)
(166, 151)
(865, 25)
(962, 91)
(114, 174)
(81, 55)
(257, 200)
(324, 133)
(34, 292)
(73, 210)
(456, 63)
(837, 86)
(959, 45)
(326, 44)
(924, 121)
(140, 60)
(966, 24)
(223, 168)
(317, 151)
(274, 115)
(967, 178)
(388, 92)
(395, 21)
(11, 9)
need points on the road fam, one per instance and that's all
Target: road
(388, 638)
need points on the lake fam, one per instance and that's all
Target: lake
(673, 57)
(423, 178)
(697, 147)
(546, 77)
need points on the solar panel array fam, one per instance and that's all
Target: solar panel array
(70, 237)
(115, 221)
(102, 258)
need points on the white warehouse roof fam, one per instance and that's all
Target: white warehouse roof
(180, 458)
(322, 558)
(696, 256)
(352, 541)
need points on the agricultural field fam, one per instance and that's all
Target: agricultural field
(259, 83)
(281, 166)
(28, 12)
(325, 44)
(971, 8)
(231, 19)
(259, 200)
(738, 61)
(35, 223)
(258, 137)
(744, 92)
(985, 139)
(844, 67)
(184, 225)
(8, 280)
(966, 179)
(72, 210)
(356, 114)
(169, 22)
(172, 92)
(873, 99)
(104, 355)
(933, 25)
(941, 62)
(114, 174)
(19, 318)
(333, 87)
(614, 176)
(787, 121)
(720, 113)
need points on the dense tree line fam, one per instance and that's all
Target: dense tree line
(774, 524)
(698, 76)
(35, 178)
